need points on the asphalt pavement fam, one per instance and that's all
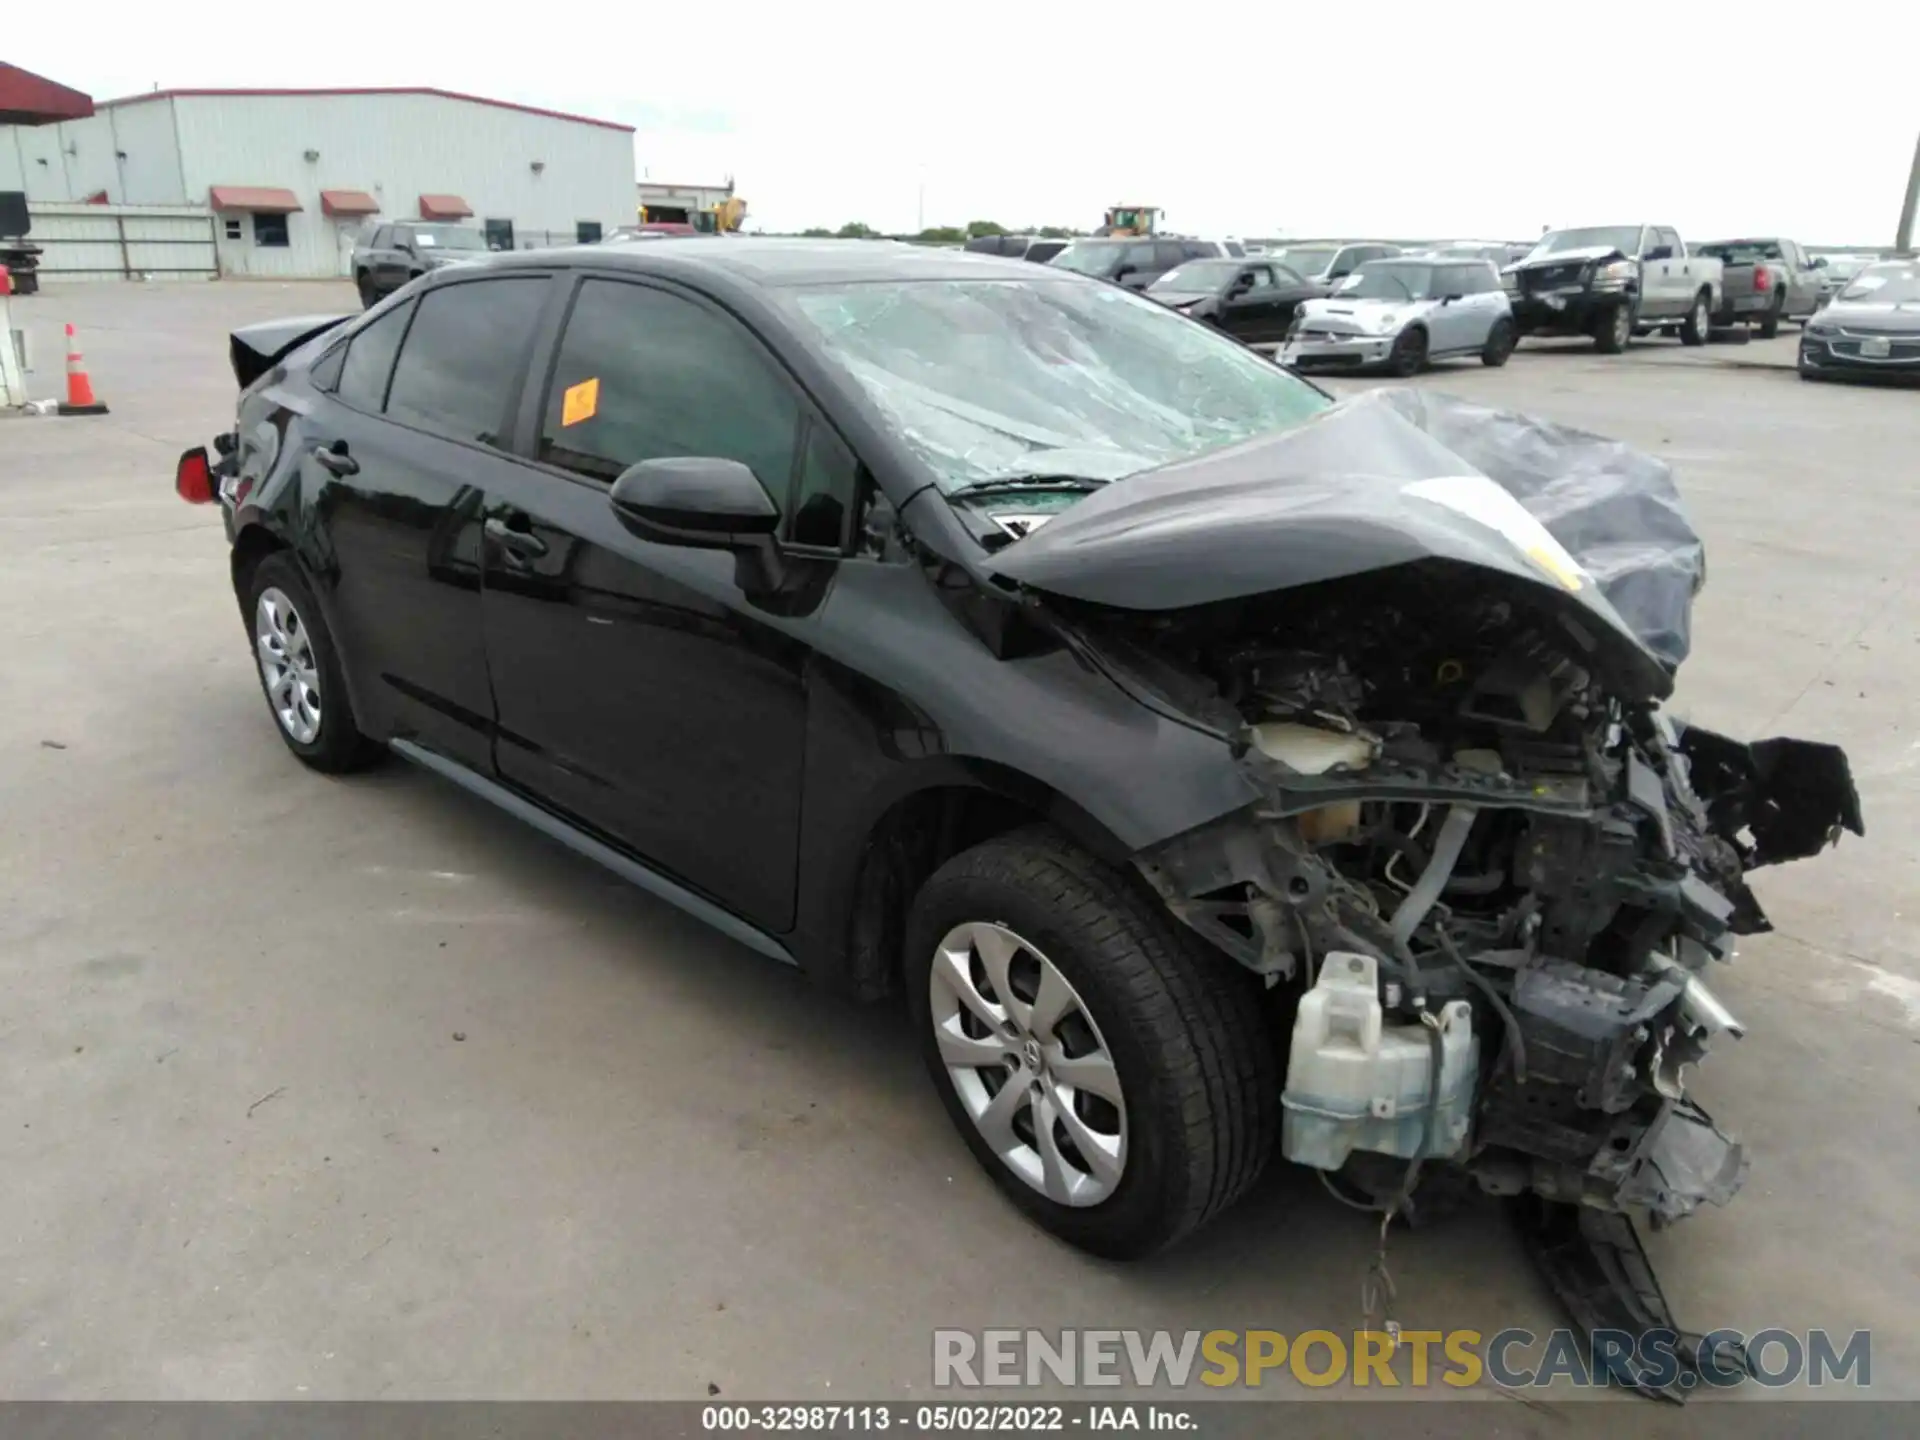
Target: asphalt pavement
(355, 1088)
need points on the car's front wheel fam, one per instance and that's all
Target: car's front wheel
(300, 670)
(1116, 1078)
(369, 297)
(1615, 328)
(1409, 354)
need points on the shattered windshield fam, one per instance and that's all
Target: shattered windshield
(997, 379)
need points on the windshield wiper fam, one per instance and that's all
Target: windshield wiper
(1080, 484)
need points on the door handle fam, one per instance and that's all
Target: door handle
(521, 543)
(334, 458)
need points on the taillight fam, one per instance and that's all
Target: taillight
(1762, 278)
(193, 477)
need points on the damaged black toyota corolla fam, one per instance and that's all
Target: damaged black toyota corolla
(1216, 769)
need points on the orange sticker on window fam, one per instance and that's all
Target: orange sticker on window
(580, 402)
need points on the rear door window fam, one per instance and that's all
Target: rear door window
(369, 362)
(460, 366)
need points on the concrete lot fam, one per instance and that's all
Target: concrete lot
(248, 1154)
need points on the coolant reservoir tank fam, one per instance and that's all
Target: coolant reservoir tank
(1311, 750)
(1355, 1082)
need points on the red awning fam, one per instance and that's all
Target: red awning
(444, 207)
(255, 197)
(348, 202)
(27, 99)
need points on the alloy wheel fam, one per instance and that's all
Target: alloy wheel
(288, 665)
(1028, 1063)
(1622, 326)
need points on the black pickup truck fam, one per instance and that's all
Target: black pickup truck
(1763, 282)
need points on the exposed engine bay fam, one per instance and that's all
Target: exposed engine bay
(1495, 886)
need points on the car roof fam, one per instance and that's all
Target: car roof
(772, 262)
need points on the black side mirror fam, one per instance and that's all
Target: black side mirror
(1125, 272)
(1659, 252)
(693, 500)
(1449, 299)
(704, 503)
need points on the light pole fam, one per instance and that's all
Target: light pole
(1903, 241)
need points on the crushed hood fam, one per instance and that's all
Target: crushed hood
(1579, 255)
(1385, 479)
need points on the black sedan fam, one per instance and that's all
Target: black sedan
(1252, 300)
(946, 624)
(1872, 327)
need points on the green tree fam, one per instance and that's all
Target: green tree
(819, 232)
(942, 235)
(855, 230)
(977, 228)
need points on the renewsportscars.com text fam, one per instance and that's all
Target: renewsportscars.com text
(1514, 1358)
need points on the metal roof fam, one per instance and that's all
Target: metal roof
(30, 99)
(374, 90)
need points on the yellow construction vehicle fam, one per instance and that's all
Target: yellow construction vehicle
(724, 218)
(1131, 220)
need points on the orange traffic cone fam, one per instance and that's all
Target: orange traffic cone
(80, 398)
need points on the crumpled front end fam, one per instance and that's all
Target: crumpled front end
(1450, 797)
(1491, 874)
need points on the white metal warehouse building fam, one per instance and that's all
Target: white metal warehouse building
(281, 182)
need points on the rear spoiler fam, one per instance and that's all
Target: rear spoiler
(256, 349)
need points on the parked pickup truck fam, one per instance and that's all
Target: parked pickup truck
(1763, 282)
(1613, 282)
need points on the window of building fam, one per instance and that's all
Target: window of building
(369, 362)
(644, 375)
(233, 227)
(270, 230)
(455, 372)
(587, 232)
(499, 234)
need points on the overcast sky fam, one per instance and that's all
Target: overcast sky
(1385, 118)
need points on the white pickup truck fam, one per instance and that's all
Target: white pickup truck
(1614, 282)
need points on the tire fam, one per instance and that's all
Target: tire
(1770, 326)
(1182, 1033)
(1499, 347)
(308, 696)
(1409, 355)
(369, 297)
(1614, 330)
(1699, 321)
